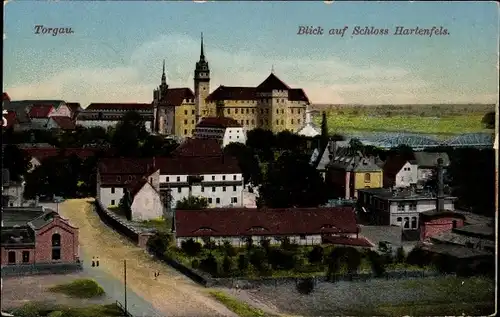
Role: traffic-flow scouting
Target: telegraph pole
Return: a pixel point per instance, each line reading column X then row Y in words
column 125, row 283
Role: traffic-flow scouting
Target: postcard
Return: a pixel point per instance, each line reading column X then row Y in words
column 227, row 158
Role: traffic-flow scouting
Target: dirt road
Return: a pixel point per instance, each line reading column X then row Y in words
column 172, row 293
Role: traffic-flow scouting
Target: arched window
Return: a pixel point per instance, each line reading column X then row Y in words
column 367, row 177
column 407, row 223
column 56, row 246
column 414, row 222
column 399, row 219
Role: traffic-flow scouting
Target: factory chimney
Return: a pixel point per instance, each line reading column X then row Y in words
column 440, row 185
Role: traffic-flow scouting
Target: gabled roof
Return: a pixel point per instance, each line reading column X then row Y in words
column 65, row 123
column 218, row 122
column 240, row 222
column 309, row 130
column 40, row 111
column 126, row 166
column 74, row 106
column 175, row 96
column 119, row 107
column 136, row 187
column 272, row 83
column 20, row 216
column 199, row 147
column 355, row 163
column 198, row 165
column 250, row 93
column 391, row 168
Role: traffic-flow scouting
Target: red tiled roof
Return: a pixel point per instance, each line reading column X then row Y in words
column 355, row 242
column 11, row 118
column 250, row 93
column 136, row 187
column 218, row 122
column 199, row 147
column 272, row 83
column 127, row 166
column 175, row 96
column 5, row 97
column 198, row 165
column 43, row 153
column 74, row 106
column 269, row 222
column 40, row 111
column 65, row 123
column 119, row 106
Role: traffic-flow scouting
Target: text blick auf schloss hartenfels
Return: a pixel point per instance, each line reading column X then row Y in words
column 374, row 31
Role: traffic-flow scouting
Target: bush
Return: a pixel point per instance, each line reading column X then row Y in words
column 282, row 259
column 249, row 243
column 195, row 264
column 257, row 258
column 265, row 244
column 81, row 288
column 159, row 243
column 377, row 263
column 227, row 265
column 229, row 250
column 242, row 263
column 305, row 286
column 400, row 255
column 418, row 257
column 190, row 247
column 210, row 265
column 209, row 244
column 316, row 255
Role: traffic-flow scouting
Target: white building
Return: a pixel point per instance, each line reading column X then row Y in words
column 399, row 207
column 146, row 200
column 107, row 115
column 309, row 129
column 306, row 226
column 217, row 178
column 224, row 129
column 399, row 172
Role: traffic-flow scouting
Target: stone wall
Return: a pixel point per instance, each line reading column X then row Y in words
column 116, row 223
column 41, row 268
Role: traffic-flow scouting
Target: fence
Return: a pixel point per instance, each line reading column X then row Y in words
column 41, row 268
column 125, row 312
column 115, row 222
column 197, row 277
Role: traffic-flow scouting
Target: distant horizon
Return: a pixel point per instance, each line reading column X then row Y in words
column 118, row 57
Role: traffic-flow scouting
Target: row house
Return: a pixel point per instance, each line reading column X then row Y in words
column 107, row 115
column 39, row 154
column 37, row 236
column 305, row 226
column 223, row 129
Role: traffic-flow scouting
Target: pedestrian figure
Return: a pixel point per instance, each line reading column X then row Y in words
column 93, row 262
column 157, row 274
column 97, row 262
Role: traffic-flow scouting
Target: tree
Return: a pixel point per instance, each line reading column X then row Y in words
column 355, row 145
column 159, row 243
column 229, row 250
column 324, row 130
column 129, row 134
column 192, row 203
column 265, row 244
column 125, row 204
column 288, row 141
column 400, row 255
column 190, row 247
column 292, row 182
column 418, row 256
column 16, row 161
column 489, row 120
column 242, row 263
column 247, row 161
column 210, row 265
column 257, row 258
column 377, row 264
column 155, row 145
column 262, row 143
column 227, row 265
column 316, row 255
column 305, row 286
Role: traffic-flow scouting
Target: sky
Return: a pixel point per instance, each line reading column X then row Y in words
column 117, row 48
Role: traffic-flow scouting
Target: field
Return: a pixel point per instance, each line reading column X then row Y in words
column 444, row 126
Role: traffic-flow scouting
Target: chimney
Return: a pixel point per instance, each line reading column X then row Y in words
column 440, row 186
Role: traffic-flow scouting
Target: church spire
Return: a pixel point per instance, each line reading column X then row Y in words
column 163, row 76
column 202, row 52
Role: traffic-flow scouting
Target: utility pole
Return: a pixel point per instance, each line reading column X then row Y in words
column 125, row 284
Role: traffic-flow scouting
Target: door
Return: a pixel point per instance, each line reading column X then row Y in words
column 12, row 257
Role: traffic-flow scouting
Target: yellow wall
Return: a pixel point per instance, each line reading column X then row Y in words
column 376, row 180
column 185, row 120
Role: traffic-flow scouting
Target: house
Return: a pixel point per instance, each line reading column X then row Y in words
column 12, row 192
column 198, row 147
column 217, row 178
column 36, row 114
column 115, row 175
column 306, row 226
column 60, row 123
column 109, row 114
column 400, row 172
column 75, row 109
column 146, row 200
column 309, row 129
column 223, row 129
column 38, row 154
column 37, row 236
column 426, row 163
column 348, row 173
column 321, row 157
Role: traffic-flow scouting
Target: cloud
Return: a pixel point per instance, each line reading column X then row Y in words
column 325, row 81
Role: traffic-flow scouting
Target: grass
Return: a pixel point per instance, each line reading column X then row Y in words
column 240, row 308
column 81, row 288
column 40, row 309
column 445, row 126
column 159, row 224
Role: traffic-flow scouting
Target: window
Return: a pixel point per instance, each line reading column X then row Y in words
column 112, row 190
column 168, row 179
column 234, row 177
column 247, row 122
column 282, row 122
column 407, row 223
column 185, row 122
column 282, row 111
column 217, row 200
column 367, row 177
column 234, row 188
column 292, row 121
column 248, row 111
column 209, row 200
column 185, row 112
column 261, row 111
column 213, row 178
column 399, row 219
column 413, row 206
column 185, row 131
column 26, row 256
column 56, row 246
column 192, row 112
column 118, row 178
column 414, row 222
column 192, row 121
column 401, row 207
column 112, row 202
column 202, row 189
column 234, row 200
column 253, row 111
column 277, row 111
column 178, row 178
column 302, row 237
column 236, row 110
column 223, row 188
column 213, row 189
column 253, row 121
column 179, row 190
column 223, row 177
column 291, row 111
column 130, row 177
column 12, row 257
column 298, row 121
column 277, row 122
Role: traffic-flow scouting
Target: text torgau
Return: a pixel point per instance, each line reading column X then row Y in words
column 40, row 29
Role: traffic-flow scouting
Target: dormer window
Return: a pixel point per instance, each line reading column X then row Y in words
column 257, row 228
column 118, row 178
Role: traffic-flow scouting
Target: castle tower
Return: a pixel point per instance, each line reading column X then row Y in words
column 159, row 100
column 201, row 83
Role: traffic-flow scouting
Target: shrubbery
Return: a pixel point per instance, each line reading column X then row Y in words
column 305, row 286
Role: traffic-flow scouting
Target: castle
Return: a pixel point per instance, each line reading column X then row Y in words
column 272, row 105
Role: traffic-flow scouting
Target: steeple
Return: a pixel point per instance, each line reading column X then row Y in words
column 163, row 76
column 202, row 52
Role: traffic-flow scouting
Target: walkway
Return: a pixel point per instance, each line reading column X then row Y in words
column 171, row 295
